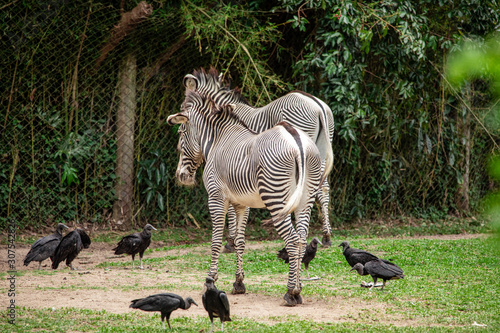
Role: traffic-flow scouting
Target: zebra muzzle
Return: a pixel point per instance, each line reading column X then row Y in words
column 184, row 177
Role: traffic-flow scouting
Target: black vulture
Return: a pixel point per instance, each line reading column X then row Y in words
column 166, row 303
column 70, row 246
column 135, row 243
column 309, row 255
column 216, row 303
column 378, row 269
column 45, row 247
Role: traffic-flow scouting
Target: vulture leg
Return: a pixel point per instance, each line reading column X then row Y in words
column 374, row 283
column 163, row 321
column 39, row 265
column 133, row 263
column 140, row 259
column 141, row 254
column 168, row 321
column 222, row 326
column 383, row 285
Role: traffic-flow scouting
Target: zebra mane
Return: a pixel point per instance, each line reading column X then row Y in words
column 238, row 97
column 218, row 109
column 212, row 79
column 234, row 116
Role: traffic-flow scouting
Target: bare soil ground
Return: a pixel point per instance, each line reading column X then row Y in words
column 102, row 289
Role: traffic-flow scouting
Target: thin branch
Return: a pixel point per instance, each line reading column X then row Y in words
column 239, row 43
column 10, row 95
column 74, row 84
column 9, row 4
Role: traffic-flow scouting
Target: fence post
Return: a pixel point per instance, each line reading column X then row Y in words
column 125, row 121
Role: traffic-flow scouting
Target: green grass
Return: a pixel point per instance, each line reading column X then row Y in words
column 75, row 320
column 448, row 285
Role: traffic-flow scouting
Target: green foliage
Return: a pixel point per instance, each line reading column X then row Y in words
column 153, row 173
column 404, row 145
column 478, row 59
column 377, row 64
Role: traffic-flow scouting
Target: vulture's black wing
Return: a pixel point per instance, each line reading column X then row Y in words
column 224, row 300
column 158, row 302
column 360, row 256
column 382, row 270
column 129, row 244
column 47, row 239
column 204, row 301
column 70, row 245
column 42, row 249
column 84, row 238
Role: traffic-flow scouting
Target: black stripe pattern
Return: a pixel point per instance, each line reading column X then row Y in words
column 279, row 169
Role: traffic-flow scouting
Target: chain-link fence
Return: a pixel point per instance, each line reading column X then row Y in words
column 86, row 87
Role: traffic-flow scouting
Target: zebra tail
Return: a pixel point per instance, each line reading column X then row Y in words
column 296, row 196
column 329, row 152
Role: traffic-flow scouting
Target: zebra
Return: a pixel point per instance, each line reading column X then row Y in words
column 278, row 169
column 299, row 109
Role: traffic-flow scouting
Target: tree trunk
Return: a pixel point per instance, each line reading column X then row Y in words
column 125, row 121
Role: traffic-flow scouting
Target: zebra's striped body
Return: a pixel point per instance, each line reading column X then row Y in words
column 299, row 109
column 278, row 169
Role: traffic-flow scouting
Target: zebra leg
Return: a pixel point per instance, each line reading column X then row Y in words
column 287, row 233
column 302, row 217
column 241, row 223
column 323, row 197
column 218, row 208
column 301, row 249
column 229, row 247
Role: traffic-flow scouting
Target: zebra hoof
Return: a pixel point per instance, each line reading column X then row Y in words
column 238, row 288
column 290, row 299
column 326, row 241
column 229, row 247
column 298, row 298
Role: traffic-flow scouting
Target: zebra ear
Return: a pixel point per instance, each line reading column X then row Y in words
column 178, row 118
column 190, row 82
